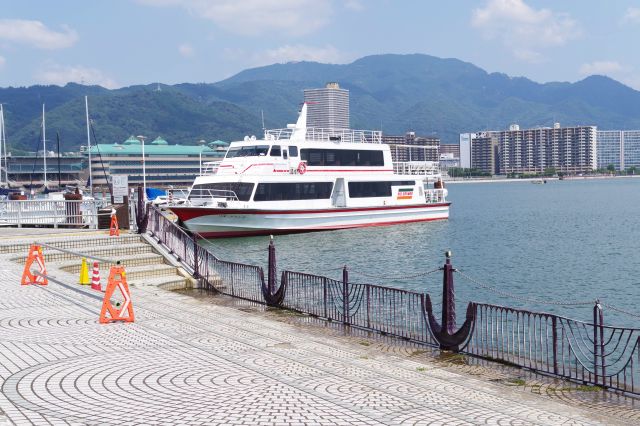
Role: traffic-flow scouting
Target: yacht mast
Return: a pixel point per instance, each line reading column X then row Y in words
column 1, row 138
column 4, row 149
column 86, row 109
column 44, row 147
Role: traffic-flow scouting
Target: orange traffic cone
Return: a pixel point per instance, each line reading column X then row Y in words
column 40, row 278
column 117, row 279
column 114, row 229
column 95, row 278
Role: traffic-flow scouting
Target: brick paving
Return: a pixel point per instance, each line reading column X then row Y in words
column 188, row 361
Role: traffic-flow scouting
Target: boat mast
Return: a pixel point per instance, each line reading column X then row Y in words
column 1, row 138
column 4, row 149
column 44, row 147
column 86, row 109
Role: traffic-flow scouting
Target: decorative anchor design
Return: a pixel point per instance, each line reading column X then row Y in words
column 445, row 334
column 272, row 296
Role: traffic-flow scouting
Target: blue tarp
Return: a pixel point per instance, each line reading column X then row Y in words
column 153, row 193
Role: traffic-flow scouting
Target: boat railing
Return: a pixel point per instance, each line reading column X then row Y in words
column 328, row 135
column 419, row 168
column 211, row 194
column 435, row 196
column 210, row 168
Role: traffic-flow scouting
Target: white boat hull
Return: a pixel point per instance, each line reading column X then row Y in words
column 210, row 222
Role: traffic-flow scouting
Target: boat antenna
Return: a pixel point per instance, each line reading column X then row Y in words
column 44, row 147
column 264, row 129
column 86, row 109
column 59, row 174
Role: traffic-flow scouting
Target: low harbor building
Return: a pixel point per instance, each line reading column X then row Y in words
column 27, row 171
column 165, row 165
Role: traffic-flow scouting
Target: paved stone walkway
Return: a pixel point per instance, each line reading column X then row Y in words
column 187, row 361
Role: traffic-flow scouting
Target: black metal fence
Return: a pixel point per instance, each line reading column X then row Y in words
column 589, row 353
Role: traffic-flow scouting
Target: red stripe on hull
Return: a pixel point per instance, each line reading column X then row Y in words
column 231, row 234
column 188, row 213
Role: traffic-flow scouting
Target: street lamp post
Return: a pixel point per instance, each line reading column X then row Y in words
column 144, row 168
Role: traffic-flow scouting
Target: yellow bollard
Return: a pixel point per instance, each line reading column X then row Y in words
column 84, row 273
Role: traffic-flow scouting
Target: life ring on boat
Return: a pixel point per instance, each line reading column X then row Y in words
column 302, row 168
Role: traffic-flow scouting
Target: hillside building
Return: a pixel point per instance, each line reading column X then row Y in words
column 165, row 164
column 328, row 107
column 621, row 148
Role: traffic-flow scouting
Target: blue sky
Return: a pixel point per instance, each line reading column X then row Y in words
column 123, row 42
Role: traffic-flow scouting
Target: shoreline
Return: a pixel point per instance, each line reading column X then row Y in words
column 512, row 180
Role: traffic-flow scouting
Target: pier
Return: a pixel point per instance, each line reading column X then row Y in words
column 222, row 360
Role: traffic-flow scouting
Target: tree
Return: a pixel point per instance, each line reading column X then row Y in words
column 611, row 168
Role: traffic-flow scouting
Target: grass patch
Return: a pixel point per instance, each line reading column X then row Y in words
column 418, row 352
column 421, row 369
column 588, row 388
column 452, row 358
column 365, row 343
column 516, row 381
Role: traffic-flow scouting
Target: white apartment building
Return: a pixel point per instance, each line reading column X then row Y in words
column 327, row 107
column 618, row 147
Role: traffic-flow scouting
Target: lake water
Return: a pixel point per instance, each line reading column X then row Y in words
column 566, row 241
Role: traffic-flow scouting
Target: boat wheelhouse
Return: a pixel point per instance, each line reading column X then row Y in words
column 300, row 179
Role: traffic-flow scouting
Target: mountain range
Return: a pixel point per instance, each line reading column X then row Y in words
column 394, row 93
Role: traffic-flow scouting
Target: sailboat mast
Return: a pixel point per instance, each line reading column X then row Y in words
column 44, row 147
column 4, row 149
column 1, row 138
column 86, row 109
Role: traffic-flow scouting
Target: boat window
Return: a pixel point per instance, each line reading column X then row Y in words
column 275, row 151
column 248, row 151
column 284, row 153
column 293, row 151
column 342, row 157
column 375, row 189
column 229, row 190
column 293, row 191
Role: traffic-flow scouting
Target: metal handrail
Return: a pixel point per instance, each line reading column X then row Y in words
column 75, row 253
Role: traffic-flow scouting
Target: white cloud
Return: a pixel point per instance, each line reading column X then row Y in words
column 355, row 5
column 632, row 15
column 299, row 52
column 523, row 29
column 2, row 61
column 36, row 34
column 255, row 17
column 186, row 50
column 601, row 67
column 61, row 75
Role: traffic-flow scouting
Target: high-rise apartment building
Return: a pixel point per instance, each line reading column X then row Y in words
column 565, row 149
column 618, row 147
column 327, row 107
column 484, row 152
column 410, row 147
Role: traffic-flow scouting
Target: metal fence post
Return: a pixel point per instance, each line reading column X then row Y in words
column 196, row 268
column 554, row 336
column 271, row 273
column 448, row 297
column 596, row 317
column 19, row 214
column 345, row 295
column 324, row 296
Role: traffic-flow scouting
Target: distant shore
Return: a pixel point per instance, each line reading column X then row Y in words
column 516, row 180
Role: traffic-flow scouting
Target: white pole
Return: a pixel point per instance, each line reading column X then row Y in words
column 44, row 146
column 200, row 161
column 1, row 138
column 144, row 172
column 4, row 148
column 86, row 109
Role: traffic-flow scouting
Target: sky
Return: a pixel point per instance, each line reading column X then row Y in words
column 116, row 43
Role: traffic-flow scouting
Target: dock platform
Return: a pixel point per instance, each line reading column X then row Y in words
column 209, row 360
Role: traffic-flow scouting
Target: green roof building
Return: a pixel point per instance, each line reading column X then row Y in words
column 165, row 164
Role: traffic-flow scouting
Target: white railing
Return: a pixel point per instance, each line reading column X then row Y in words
column 420, row 168
column 80, row 213
column 435, row 196
column 328, row 135
column 210, row 168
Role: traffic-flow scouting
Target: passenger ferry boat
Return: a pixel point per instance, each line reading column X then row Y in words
column 303, row 179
